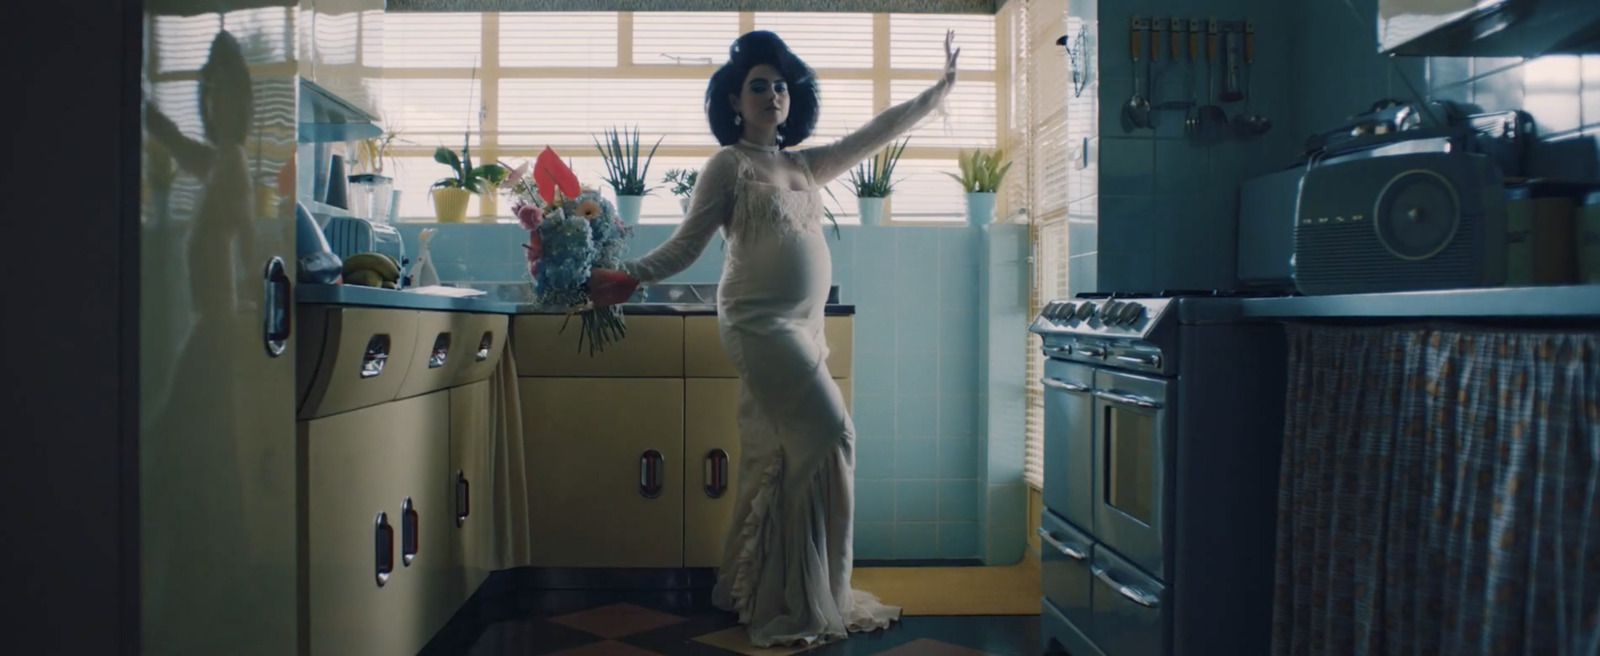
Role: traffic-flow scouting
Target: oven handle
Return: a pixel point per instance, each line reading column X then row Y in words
column 1133, row 594
column 1128, row 399
column 1063, row 385
column 1060, row 546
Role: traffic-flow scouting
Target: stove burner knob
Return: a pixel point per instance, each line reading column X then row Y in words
column 1108, row 312
column 1085, row 311
column 1132, row 313
column 1065, row 312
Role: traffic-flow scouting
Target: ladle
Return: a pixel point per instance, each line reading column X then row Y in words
column 1136, row 112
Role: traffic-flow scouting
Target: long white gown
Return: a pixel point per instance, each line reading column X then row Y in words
column 787, row 557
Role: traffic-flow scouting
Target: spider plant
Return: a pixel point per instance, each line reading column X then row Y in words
column 874, row 177
column 621, row 154
column 981, row 172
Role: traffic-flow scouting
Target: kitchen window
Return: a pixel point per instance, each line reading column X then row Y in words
column 516, row 65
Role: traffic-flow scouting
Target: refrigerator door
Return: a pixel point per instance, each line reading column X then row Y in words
column 217, row 436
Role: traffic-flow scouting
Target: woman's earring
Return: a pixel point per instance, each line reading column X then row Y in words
column 738, row 120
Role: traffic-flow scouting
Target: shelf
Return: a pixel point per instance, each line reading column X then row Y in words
column 1565, row 302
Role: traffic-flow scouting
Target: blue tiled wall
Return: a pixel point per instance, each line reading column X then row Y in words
column 1002, row 372
column 919, row 490
column 1341, row 73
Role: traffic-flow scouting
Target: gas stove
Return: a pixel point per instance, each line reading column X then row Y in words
column 1131, row 331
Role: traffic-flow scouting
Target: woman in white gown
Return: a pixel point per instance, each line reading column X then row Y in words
column 787, row 557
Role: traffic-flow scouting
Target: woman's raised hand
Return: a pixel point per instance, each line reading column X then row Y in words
column 950, row 57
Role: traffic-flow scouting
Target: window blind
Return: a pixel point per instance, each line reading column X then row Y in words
column 337, row 38
column 545, row 78
column 678, row 38
column 1047, row 81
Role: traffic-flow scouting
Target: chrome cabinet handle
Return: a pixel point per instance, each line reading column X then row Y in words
column 279, row 320
column 410, row 532
column 1128, row 399
column 716, row 473
column 1063, row 385
column 1063, row 350
column 1133, row 594
column 377, row 355
column 651, row 463
column 383, row 548
column 1061, row 546
column 441, row 351
column 1152, row 360
column 483, row 347
column 1092, row 351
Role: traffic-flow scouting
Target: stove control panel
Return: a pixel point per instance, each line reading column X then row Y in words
column 1121, row 317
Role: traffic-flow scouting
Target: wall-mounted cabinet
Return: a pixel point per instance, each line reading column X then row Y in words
column 1488, row 28
column 394, row 425
column 651, row 486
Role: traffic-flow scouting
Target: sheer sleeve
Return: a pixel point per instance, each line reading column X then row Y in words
column 830, row 161
column 710, row 206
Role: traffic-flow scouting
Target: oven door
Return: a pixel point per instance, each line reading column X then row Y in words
column 1069, row 442
column 1133, row 437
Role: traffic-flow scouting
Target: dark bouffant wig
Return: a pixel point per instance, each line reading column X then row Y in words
column 749, row 51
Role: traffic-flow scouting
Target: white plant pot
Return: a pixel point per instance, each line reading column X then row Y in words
column 628, row 208
column 980, row 208
column 684, row 204
column 871, row 210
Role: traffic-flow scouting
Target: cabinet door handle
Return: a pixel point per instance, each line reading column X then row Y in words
column 716, row 473
column 1063, row 385
column 483, row 347
column 376, row 355
column 651, row 464
column 410, row 532
column 1060, row 546
column 278, row 321
column 440, row 352
column 1132, row 593
column 463, row 498
column 383, row 548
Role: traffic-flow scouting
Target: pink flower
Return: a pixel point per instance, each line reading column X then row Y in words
column 534, row 248
column 528, row 216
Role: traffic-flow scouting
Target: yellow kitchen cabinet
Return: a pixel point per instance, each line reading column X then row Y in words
column 376, row 524
column 605, row 473
column 711, row 465
column 471, row 521
column 704, row 357
column 652, row 349
column 350, row 358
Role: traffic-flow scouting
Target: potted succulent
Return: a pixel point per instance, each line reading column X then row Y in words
column 624, row 172
column 682, row 181
column 872, row 182
column 451, row 194
column 981, row 175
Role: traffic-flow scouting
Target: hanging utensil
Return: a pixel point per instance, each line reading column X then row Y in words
column 1213, row 121
column 1191, row 118
column 1252, row 124
column 1136, row 112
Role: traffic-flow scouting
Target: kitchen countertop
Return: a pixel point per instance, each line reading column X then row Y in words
column 509, row 299
column 1514, row 303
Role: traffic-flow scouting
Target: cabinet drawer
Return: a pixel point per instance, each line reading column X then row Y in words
column 1127, row 607
column 437, row 355
column 1066, row 568
column 352, row 357
column 484, row 337
column 704, row 357
column 652, row 349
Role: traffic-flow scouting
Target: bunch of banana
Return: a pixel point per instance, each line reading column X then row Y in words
column 372, row 270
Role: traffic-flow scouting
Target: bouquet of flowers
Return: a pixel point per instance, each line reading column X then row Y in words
column 571, row 230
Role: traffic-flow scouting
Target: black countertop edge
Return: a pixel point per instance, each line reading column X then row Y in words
column 681, row 309
column 1564, row 302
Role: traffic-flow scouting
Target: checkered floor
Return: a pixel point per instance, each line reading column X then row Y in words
column 682, row 623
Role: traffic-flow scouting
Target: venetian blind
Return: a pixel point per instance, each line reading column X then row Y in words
column 1047, row 97
column 546, row 79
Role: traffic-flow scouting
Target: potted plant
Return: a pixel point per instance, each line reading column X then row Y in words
column 682, row 181
column 872, row 181
column 981, row 174
column 624, row 172
column 450, row 195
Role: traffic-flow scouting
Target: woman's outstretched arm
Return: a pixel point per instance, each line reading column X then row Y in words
column 710, row 206
column 828, row 162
